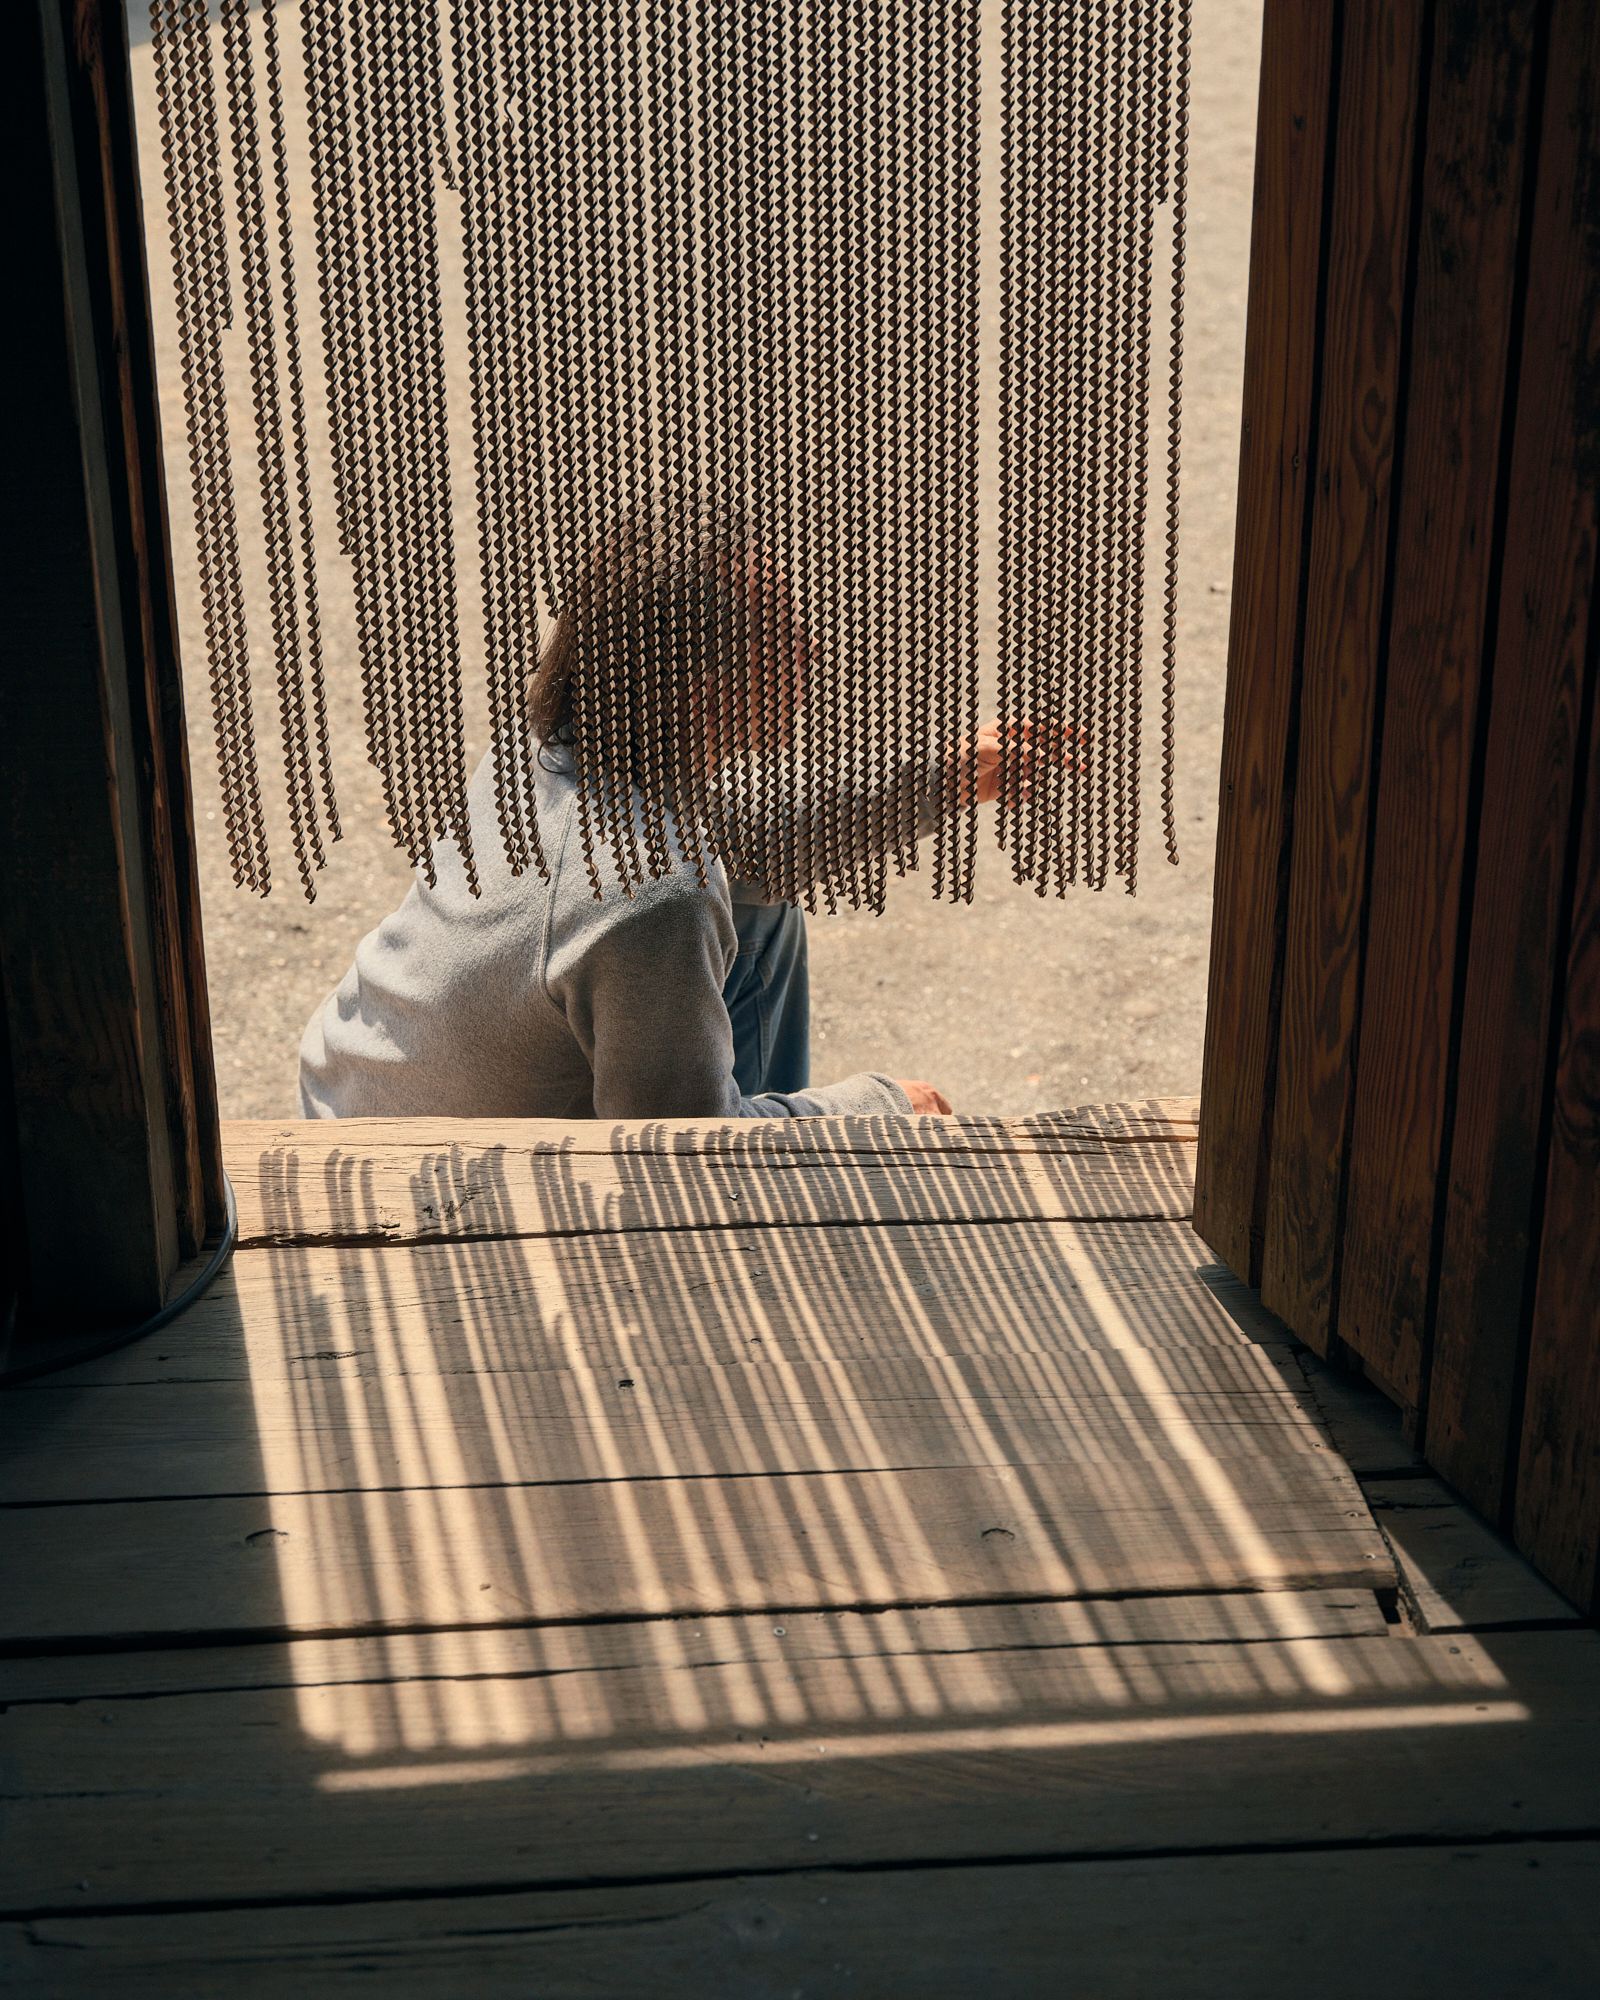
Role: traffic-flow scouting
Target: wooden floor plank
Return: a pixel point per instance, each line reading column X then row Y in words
column 377, row 1789
column 613, row 1301
column 1456, row 1574
column 1366, row 1428
column 320, row 1189
column 463, row 1555
column 1240, row 1617
column 1085, row 1129
column 1458, row 1922
column 344, row 1431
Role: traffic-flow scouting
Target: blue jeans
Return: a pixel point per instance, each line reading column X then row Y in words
column 768, row 997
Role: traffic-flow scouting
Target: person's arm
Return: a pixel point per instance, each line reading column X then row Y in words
column 907, row 805
column 644, row 998
column 815, row 824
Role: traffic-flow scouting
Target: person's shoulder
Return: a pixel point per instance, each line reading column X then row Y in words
column 678, row 896
column 679, row 893
column 649, row 936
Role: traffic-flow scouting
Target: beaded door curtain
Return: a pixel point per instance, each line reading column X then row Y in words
column 727, row 267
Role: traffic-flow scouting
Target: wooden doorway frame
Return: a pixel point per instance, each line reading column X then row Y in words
column 110, row 1153
column 1400, row 1105
column 1400, row 1140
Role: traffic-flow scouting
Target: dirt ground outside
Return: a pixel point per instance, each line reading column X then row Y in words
column 1011, row 1005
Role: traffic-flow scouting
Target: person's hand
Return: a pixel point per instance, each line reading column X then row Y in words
column 979, row 760
column 925, row 1100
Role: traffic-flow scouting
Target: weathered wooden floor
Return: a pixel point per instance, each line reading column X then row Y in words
column 840, row 1557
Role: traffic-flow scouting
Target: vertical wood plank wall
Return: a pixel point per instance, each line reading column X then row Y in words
column 1346, row 567
column 110, row 1140
column 1400, row 1113
column 1299, row 69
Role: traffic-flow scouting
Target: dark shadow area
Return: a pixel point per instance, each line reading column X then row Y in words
column 625, row 1540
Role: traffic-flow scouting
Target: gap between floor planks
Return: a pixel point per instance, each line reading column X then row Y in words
column 1154, row 1121
column 348, row 1561
column 344, row 1431
column 1456, row 1573
column 606, row 1300
column 380, row 1787
column 1454, row 1921
column 370, row 1185
column 518, row 1652
column 1172, row 1517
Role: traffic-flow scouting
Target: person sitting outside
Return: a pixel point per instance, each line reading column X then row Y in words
column 592, row 993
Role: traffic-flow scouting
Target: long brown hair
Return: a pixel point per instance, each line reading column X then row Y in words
column 675, row 651
column 661, row 601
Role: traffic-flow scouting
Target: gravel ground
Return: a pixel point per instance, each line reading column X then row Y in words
column 1011, row 1005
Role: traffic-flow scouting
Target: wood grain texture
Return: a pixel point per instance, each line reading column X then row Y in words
column 317, row 1186
column 1456, row 1575
column 524, row 1652
column 1530, row 792
column 101, row 83
column 1558, row 1469
column 13, row 1230
column 673, row 1547
column 187, row 1440
column 83, row 1023
column 1094, row 1751
column 1453, row 1922
column 1282, row 354
column 1362, row 1422
column 1096, row 1298
column 1368, row 249
column 1466, row 309
column 1084, row 1129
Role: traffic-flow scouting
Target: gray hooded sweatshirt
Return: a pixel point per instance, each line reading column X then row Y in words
column 535, row 1000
